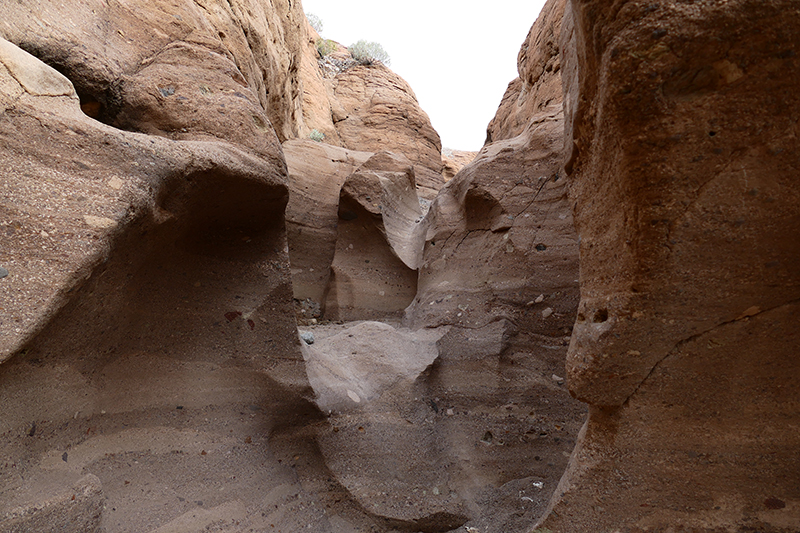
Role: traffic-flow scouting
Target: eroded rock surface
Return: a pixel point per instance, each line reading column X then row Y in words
column 686, row 336
column 380, row 440
column 500, row 270
column 539, row 83
column 454, row 161
column 379, row 241
column 147, row 330
column 182, row 65
column 376, row 110
column 317, row 172
column 411, row 443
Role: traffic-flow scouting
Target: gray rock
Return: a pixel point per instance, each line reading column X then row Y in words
column 307, row 337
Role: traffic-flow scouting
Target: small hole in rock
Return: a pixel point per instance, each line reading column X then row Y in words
column 601, row 315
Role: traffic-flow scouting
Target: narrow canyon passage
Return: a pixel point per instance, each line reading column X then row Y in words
column 244, row 288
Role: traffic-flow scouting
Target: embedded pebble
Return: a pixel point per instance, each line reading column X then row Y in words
column 307, row 337
column 547, row 312
column 99, row 222
column 3, row 272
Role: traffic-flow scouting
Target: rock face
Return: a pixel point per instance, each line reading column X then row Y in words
column 178, row 62
column 500, row 270
column 686, row 338
column 539, row 82
column 146, row 314
column 152, row 374
column 500, row 241
column 385, row 445
column 379, row 241
column 375, row 109
column 355, row 237
column 454, row 161
column 368, row 108
column 317, row 172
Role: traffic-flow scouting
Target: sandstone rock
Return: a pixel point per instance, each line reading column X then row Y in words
column 317, row 93
column 686, row 334
column 147, row 305
column 500, row 234
column 57, row 506
column 379, row 241
column 317, row 172
column 454, row 161
column 375, row 110
column 539, row 82
column 184, row 57
column 377, row 441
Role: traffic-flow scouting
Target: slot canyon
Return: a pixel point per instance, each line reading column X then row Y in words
column 243, row 287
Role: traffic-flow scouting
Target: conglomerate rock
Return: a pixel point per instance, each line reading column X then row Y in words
column 681, row 121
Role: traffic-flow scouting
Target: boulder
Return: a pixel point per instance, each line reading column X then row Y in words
column 687, row 208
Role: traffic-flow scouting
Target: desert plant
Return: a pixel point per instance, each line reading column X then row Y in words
column 368, row 52
column 315, row 22
column 325, row 46
column 316, row 135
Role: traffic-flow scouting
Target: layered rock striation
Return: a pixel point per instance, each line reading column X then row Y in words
column 626, row 238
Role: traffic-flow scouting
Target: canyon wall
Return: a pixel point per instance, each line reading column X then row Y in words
column 681, row 149
column 625, row 240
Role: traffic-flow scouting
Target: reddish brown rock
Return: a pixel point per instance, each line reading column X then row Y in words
column 500, row 269
column 146, row 304
column 317, row 93
column 454, row 161
column 374, row 110
column 687, row 207
column 181, row 60
column 539, row 81
column 500, row 241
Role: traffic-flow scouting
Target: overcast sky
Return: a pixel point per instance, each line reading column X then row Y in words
column 458, row 60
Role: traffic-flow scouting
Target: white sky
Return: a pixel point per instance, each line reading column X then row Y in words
column 458, row 60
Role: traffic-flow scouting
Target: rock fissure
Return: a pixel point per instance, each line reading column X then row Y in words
column 676, row 348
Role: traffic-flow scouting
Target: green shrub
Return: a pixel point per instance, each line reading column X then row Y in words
column 316, row 135
column 315, row 22
column 367, row 52
column 325, row 46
